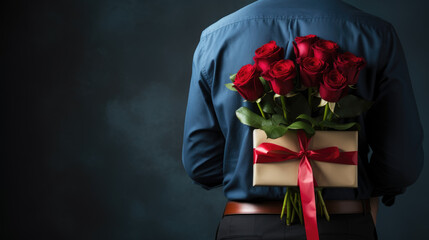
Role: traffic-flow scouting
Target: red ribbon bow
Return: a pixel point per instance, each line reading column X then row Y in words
column 269, row 152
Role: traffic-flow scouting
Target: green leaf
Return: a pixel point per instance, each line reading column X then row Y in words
column 306, row 117
column 278, row 119
column 232, row 77
column 272, row 129
column 249, row 118
column 278, row 109
column 351, row 106
column 315, row 100
column 296, row 106
column 230, row 87
column 302, row 125
column 339, row 126
column 272, row 126
column 265, row 84
column 268, row 105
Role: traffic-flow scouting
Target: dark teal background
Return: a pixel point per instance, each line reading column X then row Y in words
column 93, row 101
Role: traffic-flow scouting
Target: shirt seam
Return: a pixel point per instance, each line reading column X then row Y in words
column 381, row 23
column 205, row 76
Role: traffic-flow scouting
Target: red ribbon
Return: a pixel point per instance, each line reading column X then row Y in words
column 269, row 152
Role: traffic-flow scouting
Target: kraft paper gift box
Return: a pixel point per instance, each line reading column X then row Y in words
column 326, row 174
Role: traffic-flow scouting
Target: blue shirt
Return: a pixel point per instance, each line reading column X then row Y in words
column 217, row 148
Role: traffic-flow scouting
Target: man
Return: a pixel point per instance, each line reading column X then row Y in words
column 217, row 148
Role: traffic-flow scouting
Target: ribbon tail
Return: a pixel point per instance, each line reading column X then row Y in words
column 306, row 186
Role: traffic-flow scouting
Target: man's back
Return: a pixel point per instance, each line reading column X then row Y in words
column 217, row 148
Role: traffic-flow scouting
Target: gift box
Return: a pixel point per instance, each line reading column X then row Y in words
column 339, row 172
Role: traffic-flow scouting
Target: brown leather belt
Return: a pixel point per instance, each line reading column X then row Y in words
column 275, row 207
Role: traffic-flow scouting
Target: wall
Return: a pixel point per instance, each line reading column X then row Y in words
column 93, row 100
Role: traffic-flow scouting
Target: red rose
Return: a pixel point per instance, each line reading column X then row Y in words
column 248, row 84
column 325, row 50
column 333, row 87
column 302, row 46
column 311, row 70
column 349, row 65
column 281, row 75
column 268, row 54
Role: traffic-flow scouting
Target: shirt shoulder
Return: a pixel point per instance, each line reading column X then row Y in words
column 286, row 10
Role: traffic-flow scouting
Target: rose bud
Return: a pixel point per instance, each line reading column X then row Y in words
column 333, row 87
column 325, row 50
column 266, row 55
column 281, row 75
column 311, row 71
column 248, row 84
column 350, row 65
column 302, row 46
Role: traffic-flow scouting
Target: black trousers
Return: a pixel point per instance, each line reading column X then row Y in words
column 264, row 226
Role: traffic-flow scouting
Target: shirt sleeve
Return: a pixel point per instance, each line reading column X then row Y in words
column 203, row 141
column 393, row 126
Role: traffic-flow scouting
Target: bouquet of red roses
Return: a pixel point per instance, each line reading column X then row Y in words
column 307, row 93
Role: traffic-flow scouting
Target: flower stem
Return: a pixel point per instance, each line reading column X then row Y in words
column 288, row 212
column 260, row 109
column 294, row 197
column 325, row 211
column 301, row 217
column 284, row 204
column 292, row 218
column 326, row 111
column 284, row 106
column 296, row 206
column 331, row 114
